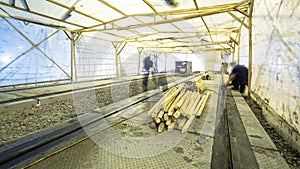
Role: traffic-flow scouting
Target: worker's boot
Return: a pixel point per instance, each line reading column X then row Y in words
column 235, row 87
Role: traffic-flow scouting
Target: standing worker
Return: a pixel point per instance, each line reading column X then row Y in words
column 147, row 64
column 238, row 78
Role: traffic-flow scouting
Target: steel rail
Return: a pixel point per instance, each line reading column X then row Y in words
column 8, row 157
column 69, row 90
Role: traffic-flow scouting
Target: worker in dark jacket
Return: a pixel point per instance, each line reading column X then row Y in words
column 238, row 78
column 147, row 64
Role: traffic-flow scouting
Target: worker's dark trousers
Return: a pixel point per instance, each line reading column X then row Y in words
column 145, row 82
column 237, row 85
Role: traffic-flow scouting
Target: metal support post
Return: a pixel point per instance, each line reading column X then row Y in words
column 250, row 47
column 119, row 46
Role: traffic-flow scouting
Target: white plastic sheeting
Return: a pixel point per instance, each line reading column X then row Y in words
column 276, row 60
column 32, row 53
column 135, row 19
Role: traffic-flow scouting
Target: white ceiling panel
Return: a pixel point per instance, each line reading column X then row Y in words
column 127, row 22
column 123, row 33
column 103, row 36
column 131, row 7
column 97, row 9
column 204, row 3
column 192, row 21
column 160, row 5
column 165, row 27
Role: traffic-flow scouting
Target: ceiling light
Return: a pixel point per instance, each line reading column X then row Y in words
column 172, row 3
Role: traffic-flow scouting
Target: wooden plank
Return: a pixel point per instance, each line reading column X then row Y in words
column 185, row 104
column 203, row 104
column 250, row 48
column 182, row 100
column 168, row 122
column 172, row 95
column 190, row 104
column 241, row 152
column 161, row 127
column 166, row 117
column 221, row 157
column 191, row 110
column 157, row 120
column 188, row 124
column 181, row 124
column 193, row 104
column 178, row 98
column 171, row 126
column 155, row 112
column 153, row 125
column 167, row 107
column 177, row 113
column 159, row 104
column 160, row 114
column 196, row 109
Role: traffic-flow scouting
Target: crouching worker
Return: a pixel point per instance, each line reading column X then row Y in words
column 238, row 78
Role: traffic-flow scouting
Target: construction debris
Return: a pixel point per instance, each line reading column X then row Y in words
column 179, row 106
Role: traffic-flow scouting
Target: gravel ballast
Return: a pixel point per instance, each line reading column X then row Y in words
column 20, row 123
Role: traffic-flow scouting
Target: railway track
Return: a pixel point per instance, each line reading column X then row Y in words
column 231, row 138
column 18, row 154
column 77, row 89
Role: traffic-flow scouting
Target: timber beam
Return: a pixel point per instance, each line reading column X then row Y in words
column 238, row 19
column 166, row 17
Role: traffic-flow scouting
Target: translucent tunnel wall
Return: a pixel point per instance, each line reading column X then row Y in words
column 32, row 53
column 94, row 59
column 276, row 59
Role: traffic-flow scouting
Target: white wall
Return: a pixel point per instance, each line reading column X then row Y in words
column 276, row 60
column 200, row 62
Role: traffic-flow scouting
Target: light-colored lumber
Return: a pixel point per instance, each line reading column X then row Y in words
column 171, row 126
column 202, row 88
column 172, row 95
column 185, row 104
column 157, row 120
column 161, row 127
column 181, row 124
column 203, row 104
column 177, row 113
column 178, row 121
column 173, row 118
column 180, row 95
column 167, row 107
column 178, row 107
column 160, row 114
column 182, row 100
column 199, row 105
column 188, row 124
column 168, row 122
column 189, row 101
column 160, row 102
column 166, row 117
column 190, row 110
column 192, row 101
column 155, row 112
column 153, row 125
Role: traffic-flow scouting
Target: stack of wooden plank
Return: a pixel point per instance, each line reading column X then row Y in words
column 199, row 83
column 179, row 107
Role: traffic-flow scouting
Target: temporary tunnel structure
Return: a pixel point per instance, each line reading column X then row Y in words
column 96, row 32
column 73, row 40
